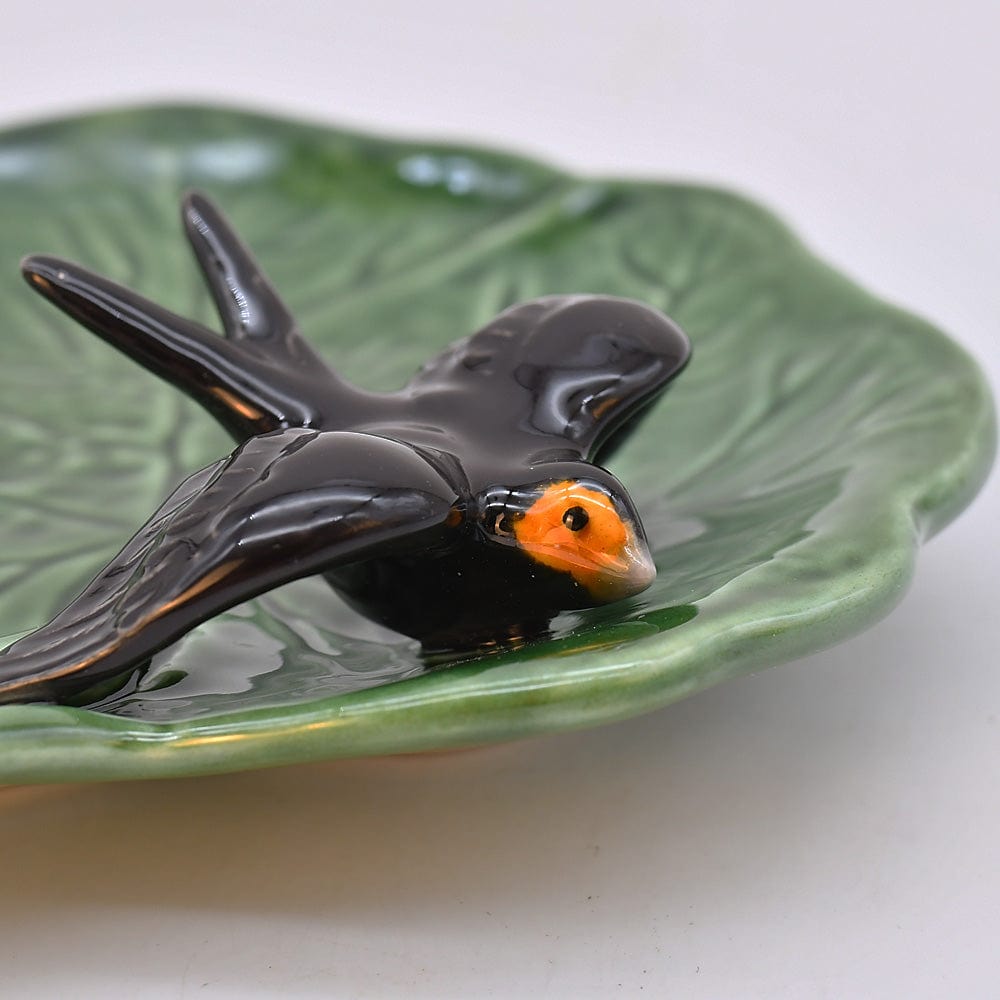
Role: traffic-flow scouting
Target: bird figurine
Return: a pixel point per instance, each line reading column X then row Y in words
column 465, row 510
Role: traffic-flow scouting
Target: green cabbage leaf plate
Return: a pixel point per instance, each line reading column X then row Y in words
column 786, row 480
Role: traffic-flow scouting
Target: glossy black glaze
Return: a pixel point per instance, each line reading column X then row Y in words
column 402, row 500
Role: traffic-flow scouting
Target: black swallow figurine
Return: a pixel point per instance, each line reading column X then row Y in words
column 463, row 510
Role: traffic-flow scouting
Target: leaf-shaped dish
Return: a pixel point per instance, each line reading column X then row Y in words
column 785, row 481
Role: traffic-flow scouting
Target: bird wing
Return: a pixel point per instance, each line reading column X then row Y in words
column 571, row 367
column 283, row 506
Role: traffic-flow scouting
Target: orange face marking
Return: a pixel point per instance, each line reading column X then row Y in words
column 603, row 553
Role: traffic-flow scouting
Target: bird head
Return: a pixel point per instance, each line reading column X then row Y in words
column 578, row 521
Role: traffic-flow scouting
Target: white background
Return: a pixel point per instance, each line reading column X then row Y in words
column 828, row 828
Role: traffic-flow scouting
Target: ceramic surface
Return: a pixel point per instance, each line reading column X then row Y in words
column 785, row 481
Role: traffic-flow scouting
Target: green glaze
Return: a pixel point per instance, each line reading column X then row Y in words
column 785, row 481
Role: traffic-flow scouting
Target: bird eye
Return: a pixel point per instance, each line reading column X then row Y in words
column 503, row 525
column 575, row 518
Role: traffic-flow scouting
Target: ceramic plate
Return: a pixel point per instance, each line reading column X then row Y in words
column 786, row 480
